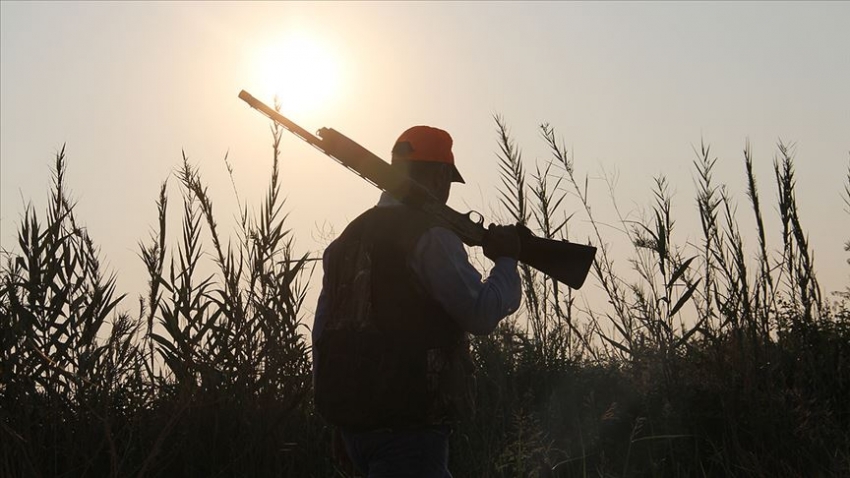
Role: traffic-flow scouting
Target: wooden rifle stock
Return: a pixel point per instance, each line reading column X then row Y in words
column 566, row 262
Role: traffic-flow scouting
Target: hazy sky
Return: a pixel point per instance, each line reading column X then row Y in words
column 631, row 87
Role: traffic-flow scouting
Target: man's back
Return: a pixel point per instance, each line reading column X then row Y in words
column 388, row 354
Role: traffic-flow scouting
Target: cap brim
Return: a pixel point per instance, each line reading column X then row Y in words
column 456, row 177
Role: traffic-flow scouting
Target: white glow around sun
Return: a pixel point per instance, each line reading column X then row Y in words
column 300, row 71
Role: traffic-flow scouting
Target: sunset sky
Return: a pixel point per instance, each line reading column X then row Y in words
column 631, row 87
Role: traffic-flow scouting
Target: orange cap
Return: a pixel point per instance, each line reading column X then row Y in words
column 424, row 143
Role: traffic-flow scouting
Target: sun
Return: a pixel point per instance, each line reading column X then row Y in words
column 300, row 71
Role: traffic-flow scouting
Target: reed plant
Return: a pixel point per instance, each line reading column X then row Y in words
column 210, row 377
column 704, row 362
column 705, row 359
column 73, row 375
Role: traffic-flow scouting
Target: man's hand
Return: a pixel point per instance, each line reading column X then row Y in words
column 502, row 241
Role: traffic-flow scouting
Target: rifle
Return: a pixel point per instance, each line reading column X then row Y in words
column 564, row 261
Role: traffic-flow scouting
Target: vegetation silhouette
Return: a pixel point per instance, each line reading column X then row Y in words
column 211, row 375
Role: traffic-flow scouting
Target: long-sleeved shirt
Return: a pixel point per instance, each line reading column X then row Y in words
column 440, row 263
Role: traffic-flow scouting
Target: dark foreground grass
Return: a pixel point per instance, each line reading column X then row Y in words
column 703, row 363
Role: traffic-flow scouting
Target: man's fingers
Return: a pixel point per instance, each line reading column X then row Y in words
column 502, row 241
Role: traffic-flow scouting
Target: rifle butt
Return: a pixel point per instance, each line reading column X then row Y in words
column 566, row 262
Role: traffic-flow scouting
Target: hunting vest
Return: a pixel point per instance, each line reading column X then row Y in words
column 388, row 356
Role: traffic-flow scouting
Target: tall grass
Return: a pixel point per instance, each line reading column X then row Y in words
column 706, row 359
column 210, row 377
column 703, row 363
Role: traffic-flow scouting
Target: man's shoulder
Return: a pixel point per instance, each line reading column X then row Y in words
column 396, row 224
column 439, row 240
column 438, row 232
column 401, row 218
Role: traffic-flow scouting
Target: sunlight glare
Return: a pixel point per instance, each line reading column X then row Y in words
column 300, row 71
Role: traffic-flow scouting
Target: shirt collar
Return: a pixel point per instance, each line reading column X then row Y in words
column 387, row 200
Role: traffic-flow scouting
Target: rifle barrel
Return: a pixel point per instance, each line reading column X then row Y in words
column 564, row 261
column 281, row 120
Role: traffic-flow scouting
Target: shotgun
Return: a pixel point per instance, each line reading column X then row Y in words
column 564, row 261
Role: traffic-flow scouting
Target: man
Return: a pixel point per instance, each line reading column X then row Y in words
column 399, row 298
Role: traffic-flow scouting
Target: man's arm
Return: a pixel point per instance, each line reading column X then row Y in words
column 441, row 264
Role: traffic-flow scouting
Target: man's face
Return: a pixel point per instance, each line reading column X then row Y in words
column 443, row 194
column 436, row 178
column 443, row 185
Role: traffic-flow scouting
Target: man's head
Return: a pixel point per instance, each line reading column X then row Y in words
column 425, row 154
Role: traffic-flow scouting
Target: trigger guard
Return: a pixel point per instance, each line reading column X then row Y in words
column 475, row 217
